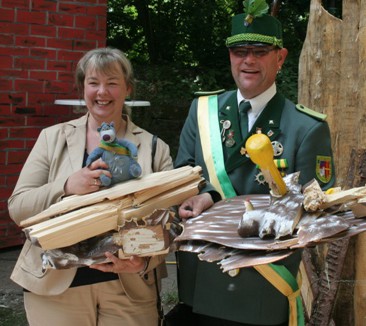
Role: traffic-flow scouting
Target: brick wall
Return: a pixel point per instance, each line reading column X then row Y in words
column 40, row 44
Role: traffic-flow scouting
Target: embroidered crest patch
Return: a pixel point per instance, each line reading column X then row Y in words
column 324, row 168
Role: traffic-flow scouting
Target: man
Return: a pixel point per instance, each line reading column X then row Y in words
column 301, row 142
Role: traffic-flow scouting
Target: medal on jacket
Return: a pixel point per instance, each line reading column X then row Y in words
column 230, row 142
column 227, row 138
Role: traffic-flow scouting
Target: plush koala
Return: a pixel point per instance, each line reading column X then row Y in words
column 119, row 154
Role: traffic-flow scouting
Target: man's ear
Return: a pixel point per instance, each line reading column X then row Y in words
column 282, row 54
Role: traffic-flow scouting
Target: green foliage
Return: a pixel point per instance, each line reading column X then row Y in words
column 177, row 47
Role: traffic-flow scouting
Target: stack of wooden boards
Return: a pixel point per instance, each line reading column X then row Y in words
column 80, row 217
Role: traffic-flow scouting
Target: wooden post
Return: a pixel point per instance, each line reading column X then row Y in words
column 332, row 80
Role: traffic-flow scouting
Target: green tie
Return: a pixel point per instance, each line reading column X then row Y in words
column 244, row 107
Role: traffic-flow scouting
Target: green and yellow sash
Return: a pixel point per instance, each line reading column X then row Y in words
column 209, row 130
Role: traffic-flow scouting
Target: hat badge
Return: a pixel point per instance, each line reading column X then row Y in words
column 254, row 8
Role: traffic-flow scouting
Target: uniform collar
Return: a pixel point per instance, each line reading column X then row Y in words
column 259, row 102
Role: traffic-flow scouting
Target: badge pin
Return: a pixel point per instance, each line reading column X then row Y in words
column 270, row 133
column 277, row 148
column 260, row 178
column 230, row 142
column 226, row 124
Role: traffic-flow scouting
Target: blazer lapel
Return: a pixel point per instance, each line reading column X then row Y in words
column 268, row 122
column 75, row 133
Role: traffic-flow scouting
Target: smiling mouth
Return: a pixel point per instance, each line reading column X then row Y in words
column 102, row 102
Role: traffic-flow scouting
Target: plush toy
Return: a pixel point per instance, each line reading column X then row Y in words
column 119, row 154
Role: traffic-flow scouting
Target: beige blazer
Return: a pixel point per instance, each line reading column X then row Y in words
column 58, row 153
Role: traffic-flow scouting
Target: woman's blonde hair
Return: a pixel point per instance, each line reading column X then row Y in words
column 103, row 60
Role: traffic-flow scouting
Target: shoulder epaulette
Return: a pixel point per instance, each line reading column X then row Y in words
column 203, row 93
column 312, row 113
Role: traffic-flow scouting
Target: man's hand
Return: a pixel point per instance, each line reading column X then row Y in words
column 195, row 205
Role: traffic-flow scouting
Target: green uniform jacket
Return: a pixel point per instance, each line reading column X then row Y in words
column 248, row 297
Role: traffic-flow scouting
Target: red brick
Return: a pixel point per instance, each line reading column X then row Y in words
column 16, row 29
column 41, row 121
column 29, row 63
column 30, row 143
column 17, row 157
column 59, row 65
column 59, row 110
column 23, row 4
column 34, row 17
column 13, row 120
column 73, row 33
column 102, row 24
column 71, row 8
column 46, row 5
column 11, row 180
column 86, row 22
column 2, row 160
column 42, row 75
column 6, row 144
column 6, row 84
column 5, row 193
column 97, row 10
column 2, row 180
column 3, row 133
column 61, row 20
column 11, row 169
column 24, row 132
column 66, row 76
column 5, row 109
column 60, row 44
column 99, row 36
column 43, row 53
column 7, row 15
column 29, row 85
column 81, row 45
column 7, row 39
column 14, row 73
column 14, row 51
column 6, row 61
column 58, row 87
column 30, row 41
column 71, row 56
column 49, row 31
column 41, row 98
column 17, row 98
column 25, row 110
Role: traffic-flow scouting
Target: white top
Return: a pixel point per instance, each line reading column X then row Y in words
column 82, row 103
column 258, row 103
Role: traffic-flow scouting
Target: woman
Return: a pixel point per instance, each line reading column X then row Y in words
column 122, row 292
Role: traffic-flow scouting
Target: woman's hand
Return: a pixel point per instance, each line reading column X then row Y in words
column 195, row 205
column 86, row 180
column 134, row 264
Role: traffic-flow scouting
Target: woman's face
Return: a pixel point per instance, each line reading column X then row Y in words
column 105, row 93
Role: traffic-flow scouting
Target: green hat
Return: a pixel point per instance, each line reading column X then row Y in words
column 255, row 26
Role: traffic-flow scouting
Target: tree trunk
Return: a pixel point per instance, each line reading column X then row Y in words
column 332, row 80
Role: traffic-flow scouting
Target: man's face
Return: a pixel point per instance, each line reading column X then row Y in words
column 254, row 68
